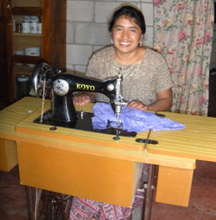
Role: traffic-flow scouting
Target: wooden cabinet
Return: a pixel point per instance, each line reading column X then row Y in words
column 31, row 31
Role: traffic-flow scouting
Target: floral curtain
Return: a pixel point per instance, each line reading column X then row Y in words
column 183, row 34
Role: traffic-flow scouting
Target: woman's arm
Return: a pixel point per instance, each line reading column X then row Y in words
column 83, row 98
column 163, row 103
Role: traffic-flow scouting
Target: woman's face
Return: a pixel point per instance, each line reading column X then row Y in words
column 126, row 35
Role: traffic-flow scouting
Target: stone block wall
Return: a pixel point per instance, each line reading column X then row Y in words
column 87, row 27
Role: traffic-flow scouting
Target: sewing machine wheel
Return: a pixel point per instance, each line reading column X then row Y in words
column 39, row 77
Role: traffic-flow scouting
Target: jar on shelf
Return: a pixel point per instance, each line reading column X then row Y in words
column 18, row 27
column 17, row 24
column 32, row 51
column 26, row 24
column 22, row 85
column 34, row 20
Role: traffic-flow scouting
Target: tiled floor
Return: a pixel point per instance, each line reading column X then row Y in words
column 202, row 205
column 203, row 198
column 13, row 204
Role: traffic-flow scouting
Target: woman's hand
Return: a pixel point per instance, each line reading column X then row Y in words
column 83, row 98
column 163, row 102
column 137, row 105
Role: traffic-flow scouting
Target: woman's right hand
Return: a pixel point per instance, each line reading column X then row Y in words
column 82, row 99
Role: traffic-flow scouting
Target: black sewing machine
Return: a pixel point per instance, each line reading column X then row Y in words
column 63, row 86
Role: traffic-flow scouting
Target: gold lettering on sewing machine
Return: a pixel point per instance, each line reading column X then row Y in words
column 85, row 87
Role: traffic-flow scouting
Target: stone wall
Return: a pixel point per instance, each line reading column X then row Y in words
column 87, row 28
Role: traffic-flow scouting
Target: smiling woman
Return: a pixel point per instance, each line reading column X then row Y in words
column 151, row 89
column 126, row 36
column 146, row 85
column 127, row 28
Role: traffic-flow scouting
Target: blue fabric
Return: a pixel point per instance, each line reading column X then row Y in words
column 133, row 120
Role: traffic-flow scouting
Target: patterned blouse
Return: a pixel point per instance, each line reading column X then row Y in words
column 141, row 81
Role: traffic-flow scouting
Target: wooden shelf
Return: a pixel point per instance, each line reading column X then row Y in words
column 27, row 59
column 33, row 11
column 52, row 40
column 22, row 41
column 16, row 34
column 20, row 70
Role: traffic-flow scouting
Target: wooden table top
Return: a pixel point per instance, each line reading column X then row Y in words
column 196, row 142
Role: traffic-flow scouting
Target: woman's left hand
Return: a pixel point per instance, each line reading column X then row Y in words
column 163, row 102
column 137, row 105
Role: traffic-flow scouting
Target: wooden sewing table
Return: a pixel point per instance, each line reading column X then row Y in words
column 94, row 166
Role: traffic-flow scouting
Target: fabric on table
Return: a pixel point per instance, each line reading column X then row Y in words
column 132, row 120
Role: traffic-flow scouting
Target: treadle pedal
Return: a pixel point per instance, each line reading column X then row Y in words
column 140, row 190
column 140, row 197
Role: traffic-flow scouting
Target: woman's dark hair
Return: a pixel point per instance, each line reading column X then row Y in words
column 131, row 12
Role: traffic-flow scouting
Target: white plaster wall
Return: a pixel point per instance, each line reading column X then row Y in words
column 87, row 28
